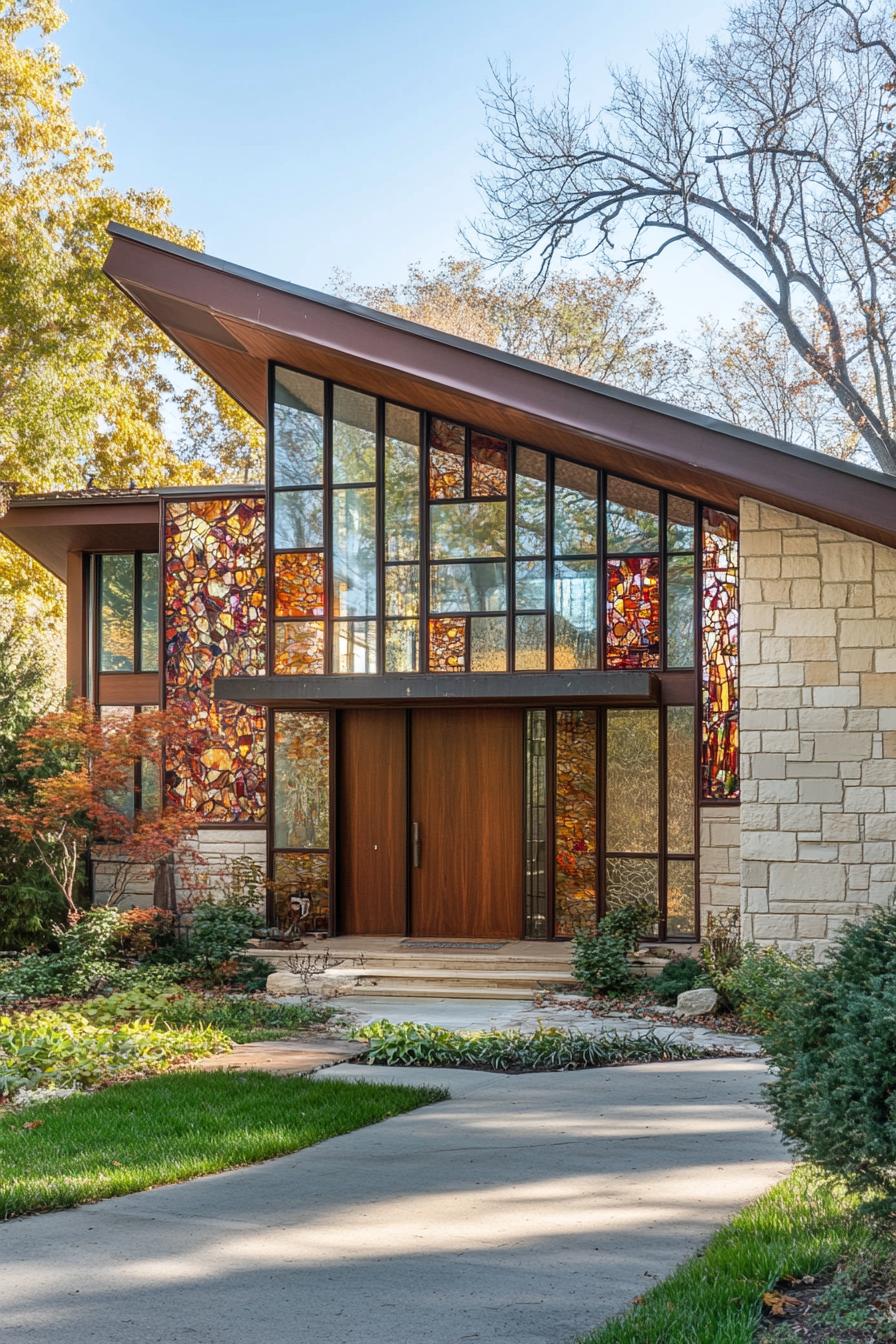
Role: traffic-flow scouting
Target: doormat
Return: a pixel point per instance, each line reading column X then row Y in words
column 422, row 945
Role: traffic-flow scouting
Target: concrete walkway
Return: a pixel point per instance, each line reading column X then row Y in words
column 526, row 1209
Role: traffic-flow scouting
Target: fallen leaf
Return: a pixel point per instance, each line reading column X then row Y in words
column 778, row 1303
column 33, row 1124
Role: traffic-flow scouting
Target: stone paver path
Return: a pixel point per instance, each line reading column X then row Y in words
column 291, row 1055
column 525, row 1210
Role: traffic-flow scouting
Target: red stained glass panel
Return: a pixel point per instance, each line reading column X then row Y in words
column 720, row 767
column 633, row 612
column 448, row 643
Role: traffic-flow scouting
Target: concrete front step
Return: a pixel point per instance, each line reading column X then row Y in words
column 411, row 962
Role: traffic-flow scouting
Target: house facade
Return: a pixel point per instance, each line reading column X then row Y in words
column 492, row 649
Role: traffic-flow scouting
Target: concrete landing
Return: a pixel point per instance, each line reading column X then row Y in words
column 302, row 1055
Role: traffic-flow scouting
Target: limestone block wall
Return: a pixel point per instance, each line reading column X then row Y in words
column 818, row 727
column 217, row 848
column 719, row 860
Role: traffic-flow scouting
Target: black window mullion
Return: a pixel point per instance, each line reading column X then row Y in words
column 328, row 526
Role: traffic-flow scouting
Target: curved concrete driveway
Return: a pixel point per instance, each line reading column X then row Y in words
column 525, row 1209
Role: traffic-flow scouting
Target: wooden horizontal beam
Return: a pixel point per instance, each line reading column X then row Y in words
column 443, row 689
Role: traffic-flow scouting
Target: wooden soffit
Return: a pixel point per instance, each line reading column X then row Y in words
column 231, row 321
column 48, row 530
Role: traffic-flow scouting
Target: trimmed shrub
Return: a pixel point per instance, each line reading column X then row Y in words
column 547, row 1049
column 678, row 975
column 764, row 984
column 600, row 961
column 219, row 932
column 834, row 1053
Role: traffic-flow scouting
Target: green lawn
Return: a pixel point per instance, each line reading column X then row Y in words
column 156, row 1130
column 802, row 1226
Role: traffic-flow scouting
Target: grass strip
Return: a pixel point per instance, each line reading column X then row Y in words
column 802, row 1226
column 158, row 1130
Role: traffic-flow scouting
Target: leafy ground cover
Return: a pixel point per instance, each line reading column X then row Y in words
column 805, row 1226
column 242, row 1017
column 547, row 1049
column 169, row 1128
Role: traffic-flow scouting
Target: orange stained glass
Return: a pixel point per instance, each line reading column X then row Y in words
column 299, row 583
column 447, row 643
column 633, row 612
column 215, row 627
column 720, row 772
column 488, row 466
column 299, row 647
column 575, row 822
column 446, row 459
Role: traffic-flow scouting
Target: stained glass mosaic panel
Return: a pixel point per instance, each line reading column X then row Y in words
column 681, row 899
column 633, row 517
column 402, row 484
column 488, row 466
column 530, row 644
column 575, row 613
column 402, row 646
column 298, row 428
column 575, row 509
column 680, row 611
column 720, row 655
column 633, row 782
column 680, row 781
column 299, row 878
column 633, row 612
column 354, row 437
column 299, row 583
column 468, row 530
column 488, row 644
column 447, row 643
column 301, row 780
column 298, row 519
column 575, row 822
column 299, row 648
column 447, row 448
column 531, row 502
column 215, row 626
column 354, row 646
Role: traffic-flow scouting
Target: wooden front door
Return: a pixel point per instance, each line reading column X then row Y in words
column 466, row 808
column 371, row 789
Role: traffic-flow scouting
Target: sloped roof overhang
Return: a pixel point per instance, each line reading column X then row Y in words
column 231, row 321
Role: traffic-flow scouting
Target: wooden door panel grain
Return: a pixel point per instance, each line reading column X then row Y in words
column 371, row 789
column 466, row 798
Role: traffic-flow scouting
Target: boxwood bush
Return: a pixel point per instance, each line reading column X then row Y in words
column 834, row 1054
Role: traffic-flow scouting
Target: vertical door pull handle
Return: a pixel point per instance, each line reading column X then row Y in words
column 415, row 843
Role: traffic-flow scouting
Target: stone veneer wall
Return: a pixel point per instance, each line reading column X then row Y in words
column 719, row 860
column 818, row 726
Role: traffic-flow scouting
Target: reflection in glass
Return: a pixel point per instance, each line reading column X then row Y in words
column 447, row 643
column 402, row 473
column 447, row 448
column 681, row 899
column 488, row 465
column 633, row 517
column 531, row 502
column 298, row 429
column 354, row 646
column 301, row 780
column 679, row 523
column 116, row 718
column 536, row 824
column 488, row 644
column 468, row 530
column 680, row 611
column 299, row 648
column 680, row 779
column 633, row 805
column 402, row 590
column 530, row 590
column 354, row 437
column 575, row 613
column 575, row 509
column 530, row 644
column 477, row 586
column 117, row 613
column 402, row 650
column 149, row 612
column 631, row 881
column 298, row 520
column 354, row 552
column 575, row 822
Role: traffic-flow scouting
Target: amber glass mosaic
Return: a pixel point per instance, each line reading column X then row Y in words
column 299, row 648
column 299, row 583
column 488, row 466
column 446, row 459
column 575, row 825
column 720, row 655
column 447, row 644
column 214, row 627
column 633, row 612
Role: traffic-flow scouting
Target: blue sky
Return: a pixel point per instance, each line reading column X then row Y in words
column 306, row 137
